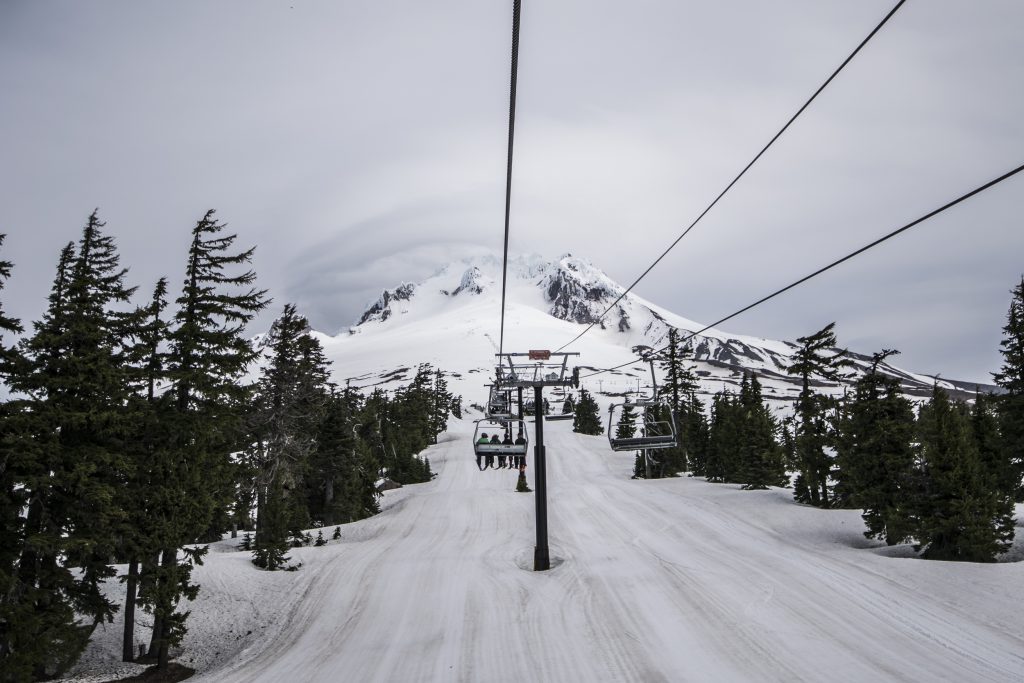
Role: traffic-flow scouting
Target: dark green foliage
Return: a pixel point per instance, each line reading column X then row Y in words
column 625, row 428
column 64, row 451
column 521, row 485
column 876, row 455
column 337, row 533
column 342, row 470
column 742, row 445
column 724, row 434
column 761, row 463
column 194, row 481
column 679, row 388
column 817, row 357
column 1010, row 404
column 961, row 514
column 320, row 540
column 290, row 403
column 586, row 419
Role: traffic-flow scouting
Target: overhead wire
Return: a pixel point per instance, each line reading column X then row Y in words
column 740, row 175
column 835, row 263
column 508, row 174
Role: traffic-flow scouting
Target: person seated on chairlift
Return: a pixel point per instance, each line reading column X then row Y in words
column 483, row 439
column 507, row 441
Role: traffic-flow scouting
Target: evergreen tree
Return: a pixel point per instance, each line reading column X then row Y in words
column 694, row 430
column 626, row 426
column 208, row 355
column 71, row 441
column 816, row 357
column 724, row 435
column 680, row 390
column 343, row 469
column 14, row 657
column 443, row 405
column 569, row 405
column 961, row 515
column 147, row 412
column 760, row 459
column 1011, row 402
column 876, row 454
column 586, row 419
column 292, row 397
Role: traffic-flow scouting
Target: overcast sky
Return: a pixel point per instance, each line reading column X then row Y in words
column 360, row 144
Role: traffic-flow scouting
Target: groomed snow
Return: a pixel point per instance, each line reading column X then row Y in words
column 671, row 580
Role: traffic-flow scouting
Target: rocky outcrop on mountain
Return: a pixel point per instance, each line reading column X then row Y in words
column 381, row 310
column 579, row 292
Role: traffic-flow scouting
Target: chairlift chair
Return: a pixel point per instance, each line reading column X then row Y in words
column 499, row 404
column 651, row 433
column 490, row 426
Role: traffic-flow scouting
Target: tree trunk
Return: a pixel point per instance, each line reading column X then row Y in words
column 168, row 561
column 128, row 641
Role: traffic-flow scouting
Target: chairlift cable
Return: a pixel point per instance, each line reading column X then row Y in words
column 741, row 174
column 508, row 174
column 835, row 263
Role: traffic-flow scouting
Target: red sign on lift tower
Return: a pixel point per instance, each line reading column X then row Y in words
column 540, row 354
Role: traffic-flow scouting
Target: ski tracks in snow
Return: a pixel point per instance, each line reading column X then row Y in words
column 672, row 580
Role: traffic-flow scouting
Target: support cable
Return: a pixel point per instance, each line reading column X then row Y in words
column 741, row 174
column 835, row 263
column 508, row 175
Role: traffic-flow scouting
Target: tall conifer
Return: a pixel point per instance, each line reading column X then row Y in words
column 961, row 515
column 876, row 454
column 1011, row 403
column 817, row 357
column 208, row 355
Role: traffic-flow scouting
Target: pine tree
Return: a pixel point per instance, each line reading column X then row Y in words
column 960, row 514
column 292, row 397
column 626, row 426
column 13, row 658
column 680, row 390
column 146, row 409
column 441, row 405
column 1011, row 402
column 812, row 430
column 760, row 457
column 72, row 463
column 342, row 470
column 586, row 419
column 34, row 619
column 208, row 355
column 876, row 454
column 724, row 436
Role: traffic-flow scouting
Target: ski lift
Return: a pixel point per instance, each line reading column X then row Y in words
column 499, row 404
column 513, row 437
column 652, row 430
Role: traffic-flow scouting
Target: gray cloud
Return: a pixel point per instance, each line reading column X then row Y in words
column 360, row 144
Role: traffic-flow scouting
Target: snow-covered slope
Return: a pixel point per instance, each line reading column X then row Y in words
column 451, row 319
column 665, row 580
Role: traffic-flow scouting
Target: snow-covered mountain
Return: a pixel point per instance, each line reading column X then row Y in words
column 452, row 319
